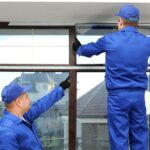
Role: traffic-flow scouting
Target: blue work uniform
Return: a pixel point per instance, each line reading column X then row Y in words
column 127, row 53
column 21, row 134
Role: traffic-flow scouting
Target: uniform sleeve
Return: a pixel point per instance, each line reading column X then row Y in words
column 8, row 140
column 148, row 46
column 43, row 104
column 92, row 48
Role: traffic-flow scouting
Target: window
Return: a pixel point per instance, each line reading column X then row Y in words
column 22, row 49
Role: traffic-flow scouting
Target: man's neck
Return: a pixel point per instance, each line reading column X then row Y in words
column 15, row 112
column 121, row 27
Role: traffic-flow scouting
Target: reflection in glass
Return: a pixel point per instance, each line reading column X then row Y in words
column 34, row 46
column 92, row 130
column 53, row 125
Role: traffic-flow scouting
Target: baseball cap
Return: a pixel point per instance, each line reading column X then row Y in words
column 129, row 12
column 12, row 91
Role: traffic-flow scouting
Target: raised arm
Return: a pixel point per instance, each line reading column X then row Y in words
column 89, row 49
column 44, row 103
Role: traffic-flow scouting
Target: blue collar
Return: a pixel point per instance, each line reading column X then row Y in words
column 16, row 120
column 129, row 28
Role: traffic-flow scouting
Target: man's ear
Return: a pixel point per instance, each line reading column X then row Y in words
column 119, row 21
column 18, row 101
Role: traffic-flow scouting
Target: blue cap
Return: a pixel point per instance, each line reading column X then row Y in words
column 129, row 12
column 12, row 91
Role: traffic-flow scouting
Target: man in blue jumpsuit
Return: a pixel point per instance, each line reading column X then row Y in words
column 127, row 53
column 17, row 130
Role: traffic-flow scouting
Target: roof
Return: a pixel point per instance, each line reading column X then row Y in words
column 94, row 103
column 37, row 76
column 33, row 78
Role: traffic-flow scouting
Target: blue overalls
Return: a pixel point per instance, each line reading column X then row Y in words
column 127, row 53
column 19, row 134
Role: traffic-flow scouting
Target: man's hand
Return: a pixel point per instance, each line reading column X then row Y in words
column 76, row 44
column 65, row 84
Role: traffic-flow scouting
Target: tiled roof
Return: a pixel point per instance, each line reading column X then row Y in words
column 38, row 77
column 94, row 103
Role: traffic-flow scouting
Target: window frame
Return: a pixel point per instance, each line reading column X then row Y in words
column 72, row 68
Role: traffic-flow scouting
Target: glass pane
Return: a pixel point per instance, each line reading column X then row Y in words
column 33, row 46
column 147, row 95
column 15, row 37
column 92, row 132
column 91, row 33
column 52, row 125
column 147, row 100
column 100, row 59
